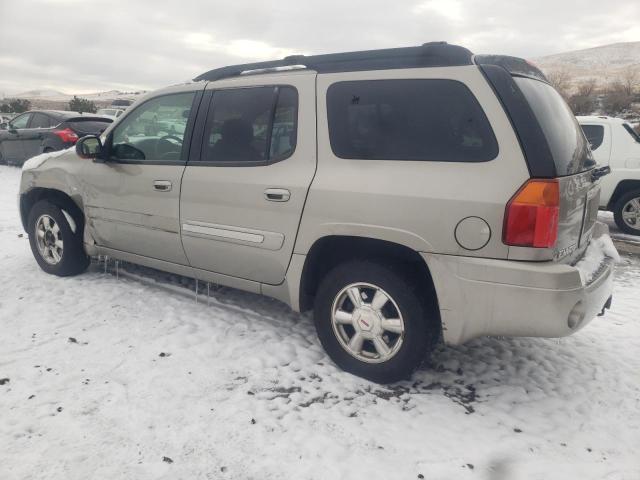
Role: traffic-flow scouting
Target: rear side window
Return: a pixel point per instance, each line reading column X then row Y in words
column 251, row 126
column 594, row 134
column 433, row 120
column 564, row 136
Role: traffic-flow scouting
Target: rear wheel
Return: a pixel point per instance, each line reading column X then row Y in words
column 626, row 212
column 2, row 160
column 56, row 248
column 373, row 321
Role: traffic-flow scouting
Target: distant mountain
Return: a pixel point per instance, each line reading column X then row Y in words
column 43, row 94
column 57, row 96
column 605, row 63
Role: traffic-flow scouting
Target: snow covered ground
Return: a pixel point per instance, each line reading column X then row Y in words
column 106, row 378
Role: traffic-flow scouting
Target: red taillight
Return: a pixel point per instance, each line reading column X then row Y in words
column 531, row 217
column 67, row 135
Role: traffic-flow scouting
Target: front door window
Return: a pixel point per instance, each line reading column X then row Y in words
column 154, row 131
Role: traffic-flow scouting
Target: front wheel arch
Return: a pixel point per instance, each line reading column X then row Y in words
column 56, row 197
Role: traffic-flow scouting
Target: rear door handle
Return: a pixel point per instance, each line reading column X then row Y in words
column 162, row 185
column 277, row 194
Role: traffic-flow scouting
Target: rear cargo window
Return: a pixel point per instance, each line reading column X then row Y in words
column 436, row 120
column 566, row 141
column 594, row 134
column 89, row 127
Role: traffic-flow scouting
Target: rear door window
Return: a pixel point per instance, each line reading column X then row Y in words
column 594, row 134
column 429, row 119
column 568, row 145
column 251, row 126
column 40, row 120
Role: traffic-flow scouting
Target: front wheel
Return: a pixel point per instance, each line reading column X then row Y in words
column 372, row 321
column 56, row 248
column 626, row 212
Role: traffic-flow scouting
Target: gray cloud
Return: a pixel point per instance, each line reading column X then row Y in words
column 88, row 45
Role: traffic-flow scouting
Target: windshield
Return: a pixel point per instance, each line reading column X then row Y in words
column 568, row 145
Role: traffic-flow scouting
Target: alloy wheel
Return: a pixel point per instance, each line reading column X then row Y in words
column 367, row 322
column 49, row 240
column 631, row 213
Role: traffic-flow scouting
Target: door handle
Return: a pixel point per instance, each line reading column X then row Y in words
column 162, row 185
column 277, row 194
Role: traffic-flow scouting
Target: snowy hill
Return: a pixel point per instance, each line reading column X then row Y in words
column 603, row 63
column 44, row 94
column 57, row 96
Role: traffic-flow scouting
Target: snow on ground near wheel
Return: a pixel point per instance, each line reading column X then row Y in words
column 116, row 379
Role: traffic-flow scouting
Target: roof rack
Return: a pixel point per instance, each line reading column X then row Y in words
column 433, row 54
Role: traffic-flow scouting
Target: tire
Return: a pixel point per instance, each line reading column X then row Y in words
column 622, row 207
column 69, row 257
column 404, row 302
column 2, row 160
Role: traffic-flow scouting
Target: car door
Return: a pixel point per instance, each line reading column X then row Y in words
column 244, row 188
column 31, row 137
column 11, row 139
column 132, row 198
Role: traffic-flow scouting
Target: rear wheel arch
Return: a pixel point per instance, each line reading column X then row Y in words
column 621, row 189
column 328, row 252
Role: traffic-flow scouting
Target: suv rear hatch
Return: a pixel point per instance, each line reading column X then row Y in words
column 555, row 148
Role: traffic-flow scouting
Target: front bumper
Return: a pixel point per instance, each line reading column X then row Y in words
column 479, row 296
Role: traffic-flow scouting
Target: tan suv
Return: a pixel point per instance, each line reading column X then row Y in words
column 405, row 195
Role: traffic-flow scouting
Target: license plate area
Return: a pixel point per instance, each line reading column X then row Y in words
column 592, row 204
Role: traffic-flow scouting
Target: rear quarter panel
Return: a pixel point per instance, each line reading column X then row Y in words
column 414, row 203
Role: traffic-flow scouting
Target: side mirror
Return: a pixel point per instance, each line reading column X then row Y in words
column 89, row 147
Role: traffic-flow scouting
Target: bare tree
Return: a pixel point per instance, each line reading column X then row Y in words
column 560, row 78
column 630, row 79
column 588, row 87
column 616, row 100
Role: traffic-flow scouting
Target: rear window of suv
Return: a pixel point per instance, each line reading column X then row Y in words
column 594, row 134
column 568, row 145
column 429, row 119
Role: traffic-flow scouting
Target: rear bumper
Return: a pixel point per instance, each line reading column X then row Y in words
column 480, row 296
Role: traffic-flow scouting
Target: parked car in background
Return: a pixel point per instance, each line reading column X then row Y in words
column 121, row 103
column 405, row 196
column 615, row 143
column 35, row 132
column 112, row 113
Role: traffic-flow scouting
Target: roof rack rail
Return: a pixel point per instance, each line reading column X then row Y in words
column 432, row 54
column 284, row 68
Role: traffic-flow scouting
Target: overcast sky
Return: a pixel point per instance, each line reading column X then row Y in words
column 81, row 46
